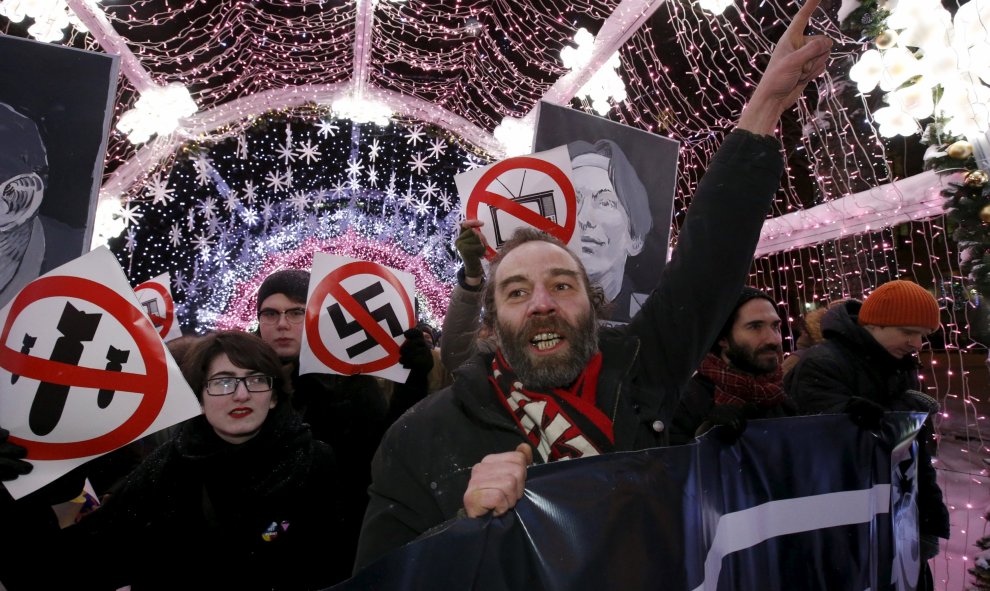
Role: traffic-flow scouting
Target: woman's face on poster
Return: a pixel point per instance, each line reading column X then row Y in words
column 603, row 224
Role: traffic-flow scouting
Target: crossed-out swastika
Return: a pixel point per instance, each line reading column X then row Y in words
column 346, row 329
column 356, row 306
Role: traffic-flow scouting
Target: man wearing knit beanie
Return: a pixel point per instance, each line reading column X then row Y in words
column 898, row 315
column 348, row 412
column 281, row 309
column 740, row 378
column 866, row 366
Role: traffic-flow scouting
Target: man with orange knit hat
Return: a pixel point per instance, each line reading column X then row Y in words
column 866, row 366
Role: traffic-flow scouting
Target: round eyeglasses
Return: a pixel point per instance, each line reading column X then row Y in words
column 292, row 315
column 228, row 384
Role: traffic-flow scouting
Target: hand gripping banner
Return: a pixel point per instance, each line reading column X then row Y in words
column 800, row 503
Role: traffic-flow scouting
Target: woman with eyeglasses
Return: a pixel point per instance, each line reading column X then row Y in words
column 241, row 498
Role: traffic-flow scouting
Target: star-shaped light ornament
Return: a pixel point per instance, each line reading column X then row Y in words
column 415, row 135
column 419, row 163
column 159, row 191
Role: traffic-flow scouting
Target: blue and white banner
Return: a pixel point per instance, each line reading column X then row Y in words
column 801, row 503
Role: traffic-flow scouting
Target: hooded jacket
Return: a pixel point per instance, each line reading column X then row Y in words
column 852, row 363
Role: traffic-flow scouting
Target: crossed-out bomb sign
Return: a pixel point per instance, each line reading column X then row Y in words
column 82, row 369
column 356, row 313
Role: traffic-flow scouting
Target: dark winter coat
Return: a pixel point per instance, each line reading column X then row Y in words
column 852, row 363
column 422, row 468
column 202, row 513
column 350, row 414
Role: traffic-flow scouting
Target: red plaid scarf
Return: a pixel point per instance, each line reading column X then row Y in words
column 738, row 388
column 561, row 423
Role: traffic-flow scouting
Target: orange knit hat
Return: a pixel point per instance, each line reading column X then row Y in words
column 900, row 303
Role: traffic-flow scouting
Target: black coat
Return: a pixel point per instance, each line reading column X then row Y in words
column 349, row 413
column 202, row 513
column 852, row 363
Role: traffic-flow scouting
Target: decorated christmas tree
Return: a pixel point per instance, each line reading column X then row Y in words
column 981, row 565
column 968, row 206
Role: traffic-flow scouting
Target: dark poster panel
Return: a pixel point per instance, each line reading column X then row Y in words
column 625, row 180
column 55, row 109
column 811, row 503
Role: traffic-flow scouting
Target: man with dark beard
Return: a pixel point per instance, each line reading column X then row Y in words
column 740, row 379
column 558, row 386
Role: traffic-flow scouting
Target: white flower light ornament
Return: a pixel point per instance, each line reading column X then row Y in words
column 927, row 54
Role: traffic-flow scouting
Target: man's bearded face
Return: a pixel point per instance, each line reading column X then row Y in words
column 544, row 371
column 758, row 360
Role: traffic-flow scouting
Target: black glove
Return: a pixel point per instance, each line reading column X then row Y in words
column 730, row 419
column 414, row 354
column 865, row 413
column 11, row 464
column 920, row 402
column 929, row 546
column 471, row 249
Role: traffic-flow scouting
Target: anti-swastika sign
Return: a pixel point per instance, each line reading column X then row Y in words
column 355, row 316
column 155, row 296
column 82, row 369
column 533, row 190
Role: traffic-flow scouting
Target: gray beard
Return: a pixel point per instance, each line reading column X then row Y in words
column 558, row 371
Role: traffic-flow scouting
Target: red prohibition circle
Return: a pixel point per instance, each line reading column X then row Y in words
column 481, row 194
column 331, row 285
column 169, row 305
column 152, row 385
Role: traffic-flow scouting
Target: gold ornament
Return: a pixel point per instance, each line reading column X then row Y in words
column 976, row 178
column 985, row 214
column 886, row 40
column 960, row 150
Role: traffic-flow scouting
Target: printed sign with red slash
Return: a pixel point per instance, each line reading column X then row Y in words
column 533, row 190
column 82, row 370
column 355, row 316
column 155, row 296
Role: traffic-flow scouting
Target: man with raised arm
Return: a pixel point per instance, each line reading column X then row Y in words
column 559, row 387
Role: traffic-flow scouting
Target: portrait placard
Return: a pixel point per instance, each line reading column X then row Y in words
column 624, row 180
column 55, row 109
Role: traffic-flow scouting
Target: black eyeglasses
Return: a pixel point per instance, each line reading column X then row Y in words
column 226, row 385
column 292, row 315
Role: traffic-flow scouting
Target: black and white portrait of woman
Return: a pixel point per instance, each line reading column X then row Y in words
column 624, row 187
column 23, row 170
column 54, row 123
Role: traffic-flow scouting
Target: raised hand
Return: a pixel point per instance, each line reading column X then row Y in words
column 414, row 353
column 796, row 60
column 471, row 247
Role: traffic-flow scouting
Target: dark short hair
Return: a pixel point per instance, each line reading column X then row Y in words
column 629, row 189
column 292, row 283
column 596, row 296
column 244, row 350
column 748, row 293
